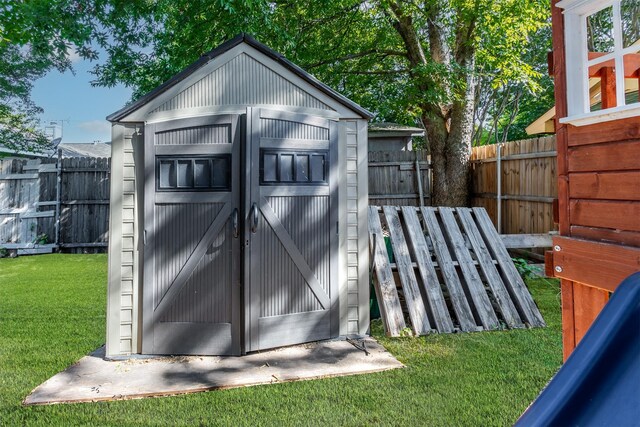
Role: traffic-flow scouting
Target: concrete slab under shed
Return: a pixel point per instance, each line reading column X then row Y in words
column 93, row 378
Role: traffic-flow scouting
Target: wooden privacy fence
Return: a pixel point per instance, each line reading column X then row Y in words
column 516, row 182
column 73, row 215
column 393, row 179
column 54, row 203
column 451, row 272
column 519, row 199
column 25, row 217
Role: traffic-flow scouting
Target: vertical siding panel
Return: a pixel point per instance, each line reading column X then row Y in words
column 272, row 128
column 211, row 134
column 182, row 228
column 305, row 221
column 242, row 81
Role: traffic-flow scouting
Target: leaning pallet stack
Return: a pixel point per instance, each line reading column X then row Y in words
column 454, row 272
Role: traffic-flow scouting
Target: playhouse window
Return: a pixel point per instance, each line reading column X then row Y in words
column 602, row 42
column 294, row 168
column 202, row 173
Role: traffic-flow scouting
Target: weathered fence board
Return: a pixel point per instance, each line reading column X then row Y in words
column 471, row 279
column 523, row 191
column 393, row 179
column 85, row 201
column 436, row 305
column 500, row 293
column 412, row 297
column 474, row 285
column 452, row 283
column 384, row 284
column 528, row 190
column 518, row 290
column 38, row 212
column 21, row 188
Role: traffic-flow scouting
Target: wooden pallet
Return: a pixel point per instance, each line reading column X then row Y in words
column 453, row 272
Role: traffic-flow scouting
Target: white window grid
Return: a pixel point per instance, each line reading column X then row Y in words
column 577, row 62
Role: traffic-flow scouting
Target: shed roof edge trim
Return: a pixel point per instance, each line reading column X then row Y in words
column 224, row 47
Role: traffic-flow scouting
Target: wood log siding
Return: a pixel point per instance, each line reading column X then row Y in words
column 618, row 156
column 83, row 204
column 603, row 179
column 611, row 186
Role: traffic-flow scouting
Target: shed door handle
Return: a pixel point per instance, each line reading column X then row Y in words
column 235, row 222
column 254, row 218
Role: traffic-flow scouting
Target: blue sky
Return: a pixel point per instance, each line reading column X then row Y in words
column 83, row 108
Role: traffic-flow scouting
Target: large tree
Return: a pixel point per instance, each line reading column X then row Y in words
column 37, row 36
column 457, row 43
column 18, row 124
column 504, row 111
column 406, row 60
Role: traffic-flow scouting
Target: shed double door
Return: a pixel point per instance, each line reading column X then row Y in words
column 240, row 233
column 291, row 233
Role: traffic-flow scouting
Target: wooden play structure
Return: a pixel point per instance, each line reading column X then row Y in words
column 598, row 159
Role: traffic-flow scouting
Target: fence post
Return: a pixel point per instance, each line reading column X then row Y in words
column 419, row 177
column 58, row 195
column 499, row 185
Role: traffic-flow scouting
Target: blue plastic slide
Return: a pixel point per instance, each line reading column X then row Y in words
column 599, row 385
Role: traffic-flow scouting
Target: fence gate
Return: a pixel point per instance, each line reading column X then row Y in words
column 210, row 216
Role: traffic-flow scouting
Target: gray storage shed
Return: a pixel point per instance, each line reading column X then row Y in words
column 385, row 136
column 238, row 210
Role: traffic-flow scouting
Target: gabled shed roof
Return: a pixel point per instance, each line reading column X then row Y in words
column 224, row 47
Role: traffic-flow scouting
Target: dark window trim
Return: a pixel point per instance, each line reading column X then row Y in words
column 193, row 158
column 294, row 153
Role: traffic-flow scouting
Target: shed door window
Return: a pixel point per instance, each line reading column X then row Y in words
column 210, row 173
column 293, row 168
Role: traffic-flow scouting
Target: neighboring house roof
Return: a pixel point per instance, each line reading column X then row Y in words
column 224, row 47
column 386, row 129
column 7, row 151
column 543, row 124
column 96, row 149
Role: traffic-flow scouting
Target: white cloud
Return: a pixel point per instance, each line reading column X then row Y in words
column 73, row 56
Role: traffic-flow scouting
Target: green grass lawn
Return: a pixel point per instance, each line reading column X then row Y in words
column 52, row 312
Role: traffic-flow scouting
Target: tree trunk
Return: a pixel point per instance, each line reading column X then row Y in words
column 448, row 123
column 450, row 145
column 449, row 162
